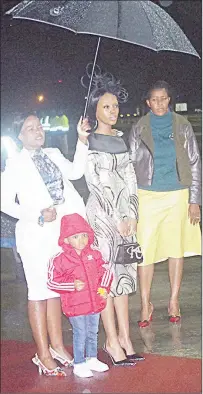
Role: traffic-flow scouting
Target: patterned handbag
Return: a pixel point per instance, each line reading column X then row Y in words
column 128, row 253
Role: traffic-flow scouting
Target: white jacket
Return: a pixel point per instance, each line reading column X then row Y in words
column 22, row 179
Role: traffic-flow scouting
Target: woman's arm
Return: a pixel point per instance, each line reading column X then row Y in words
column 71, row 170
column 131, row 181
column 195, row 190
column 9, row 190
column 75, row 170
column 195, row 165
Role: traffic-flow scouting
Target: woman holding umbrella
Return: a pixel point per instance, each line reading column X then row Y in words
column 167, row 162
column 112, row 209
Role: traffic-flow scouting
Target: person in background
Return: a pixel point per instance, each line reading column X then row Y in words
column 78, row 273
column 167, row 163
column 112, row 211
column 36, row 190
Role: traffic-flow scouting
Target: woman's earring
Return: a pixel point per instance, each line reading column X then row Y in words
column 96, row 124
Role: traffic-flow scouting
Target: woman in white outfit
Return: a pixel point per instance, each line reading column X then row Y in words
column 36, row 189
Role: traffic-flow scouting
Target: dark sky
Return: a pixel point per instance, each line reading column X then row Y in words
column 35, row 56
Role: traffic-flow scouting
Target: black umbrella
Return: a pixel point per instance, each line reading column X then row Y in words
column 139, row 22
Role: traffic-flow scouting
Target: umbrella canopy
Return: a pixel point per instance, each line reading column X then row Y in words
column 139, row 22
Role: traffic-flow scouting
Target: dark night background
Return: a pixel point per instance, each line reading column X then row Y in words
column 35, row 56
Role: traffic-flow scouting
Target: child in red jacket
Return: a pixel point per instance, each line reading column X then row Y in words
column 79, row 275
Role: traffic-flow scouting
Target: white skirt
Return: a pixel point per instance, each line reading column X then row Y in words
column 36, row 245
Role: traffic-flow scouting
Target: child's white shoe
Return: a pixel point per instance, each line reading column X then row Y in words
column 95, row 365
column 82, row 370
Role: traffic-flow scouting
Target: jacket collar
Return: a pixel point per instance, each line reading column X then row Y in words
column 146, row 133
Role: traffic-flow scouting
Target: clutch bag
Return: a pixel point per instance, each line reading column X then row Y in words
column 128, row 253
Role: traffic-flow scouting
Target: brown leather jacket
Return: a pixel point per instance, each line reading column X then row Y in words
column 188, row 160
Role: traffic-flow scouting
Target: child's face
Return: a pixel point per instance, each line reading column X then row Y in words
column 77, row 241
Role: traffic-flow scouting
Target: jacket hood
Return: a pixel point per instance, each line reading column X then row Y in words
column 74, row 224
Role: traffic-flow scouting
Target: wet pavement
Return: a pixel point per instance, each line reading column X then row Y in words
column 162, row 337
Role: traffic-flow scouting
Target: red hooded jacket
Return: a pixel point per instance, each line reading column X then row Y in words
column 67, row 266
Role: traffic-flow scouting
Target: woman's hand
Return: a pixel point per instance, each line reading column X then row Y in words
column 194, row 213
column 49, row 214
column 127, row 227
column 123, row 228
column 132, row 223
column 82, row 128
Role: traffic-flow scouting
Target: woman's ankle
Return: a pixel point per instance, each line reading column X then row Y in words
column 61, row 350
column 47, row 360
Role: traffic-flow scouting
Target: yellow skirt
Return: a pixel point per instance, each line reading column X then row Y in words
column 164, row 229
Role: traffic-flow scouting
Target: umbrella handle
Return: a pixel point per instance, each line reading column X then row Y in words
column 90, row 84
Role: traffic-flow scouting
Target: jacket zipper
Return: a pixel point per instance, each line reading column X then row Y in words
column 89, row 287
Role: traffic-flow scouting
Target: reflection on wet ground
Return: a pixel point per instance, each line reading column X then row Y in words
column 161, row 337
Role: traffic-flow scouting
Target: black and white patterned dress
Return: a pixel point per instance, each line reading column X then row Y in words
column 112, row 184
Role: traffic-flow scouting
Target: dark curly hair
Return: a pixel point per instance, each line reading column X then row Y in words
column 101, row 84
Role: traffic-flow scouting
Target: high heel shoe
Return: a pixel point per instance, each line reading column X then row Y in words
column 174, row 318
column 62, row 360
column 48, row 372
column 146, row 323
column 134, row 356
column 122, row 363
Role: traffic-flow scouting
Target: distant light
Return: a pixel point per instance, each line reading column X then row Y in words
column 128, row 115
column 60, row 81
column 121, row 115
column 40, row 98
column 134, row 114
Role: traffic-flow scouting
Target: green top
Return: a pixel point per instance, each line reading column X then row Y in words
column 165, row 177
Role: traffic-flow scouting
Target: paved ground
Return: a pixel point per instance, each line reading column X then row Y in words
column 164, row 338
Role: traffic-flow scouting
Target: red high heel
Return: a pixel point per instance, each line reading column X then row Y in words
column 146, row 323
column 174, row 318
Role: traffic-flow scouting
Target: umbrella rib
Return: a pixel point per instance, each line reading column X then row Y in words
column 118, row 18
column 163, row 22
column 148, row 19
column 16, row 6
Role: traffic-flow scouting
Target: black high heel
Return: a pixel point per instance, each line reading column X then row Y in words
column 122, row 363
column 134, row 356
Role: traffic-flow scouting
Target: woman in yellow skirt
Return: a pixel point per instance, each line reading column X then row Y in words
column 167, row 162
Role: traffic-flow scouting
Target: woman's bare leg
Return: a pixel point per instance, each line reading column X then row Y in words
column 122, row 313
column 112, row 342
column 37, row 312
column 54, row 324
column 175, row 269
column 145, row 281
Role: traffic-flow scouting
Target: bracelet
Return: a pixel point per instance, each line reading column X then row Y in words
column 41, row 220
